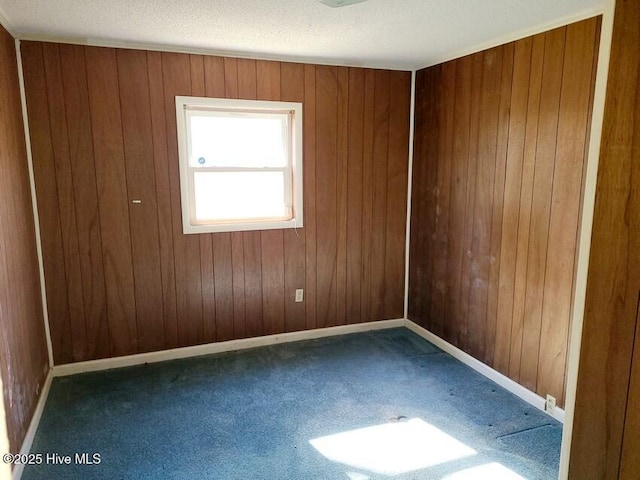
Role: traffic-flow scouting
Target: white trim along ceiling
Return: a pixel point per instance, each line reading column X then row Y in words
column 395, row 34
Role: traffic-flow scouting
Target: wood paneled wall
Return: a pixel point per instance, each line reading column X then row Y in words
column 500, row 147
column 24, row 360
column 606, row 427
column 122, row 278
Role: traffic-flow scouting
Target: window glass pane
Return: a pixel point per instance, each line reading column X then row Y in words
column 237, row 140
column 239, row 196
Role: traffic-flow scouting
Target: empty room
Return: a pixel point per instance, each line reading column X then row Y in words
column 320, row 239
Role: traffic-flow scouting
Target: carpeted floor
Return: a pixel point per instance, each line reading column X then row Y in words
column 376, row 405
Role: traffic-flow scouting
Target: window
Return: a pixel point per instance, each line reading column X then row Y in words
column 240, row 164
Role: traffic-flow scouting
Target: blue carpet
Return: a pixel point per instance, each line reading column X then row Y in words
column 375, row 405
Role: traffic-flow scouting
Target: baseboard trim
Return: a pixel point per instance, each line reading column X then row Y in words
column 220, row 347
column 33, row 425
column 497, row 377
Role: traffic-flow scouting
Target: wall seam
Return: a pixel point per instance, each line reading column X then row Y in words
column 585, row 230
column 34, row 204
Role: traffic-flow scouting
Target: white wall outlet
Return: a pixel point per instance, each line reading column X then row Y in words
column 299, row 295
column 550, row 404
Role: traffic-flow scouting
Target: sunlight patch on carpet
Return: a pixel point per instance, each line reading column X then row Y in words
column 490, row 471
column 392, row 448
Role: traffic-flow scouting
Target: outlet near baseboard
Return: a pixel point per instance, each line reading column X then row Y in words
column 550, row 404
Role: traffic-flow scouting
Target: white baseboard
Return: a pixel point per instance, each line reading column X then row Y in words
column 33, row 425
column 497, row 377
column 219, row 347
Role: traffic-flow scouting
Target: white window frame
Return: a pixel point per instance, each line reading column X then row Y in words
column 293, row 171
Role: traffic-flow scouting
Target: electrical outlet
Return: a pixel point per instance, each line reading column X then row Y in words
column 550, row 405
column 299, row 295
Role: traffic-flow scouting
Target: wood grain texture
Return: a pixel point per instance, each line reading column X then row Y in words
column 487, row 135
column 138, row 154
column 163, row 198
column 24, row 362
column 525, row 208
column 472, row 172
column 146, row 286
column 397, row 177
column 85, row 191
column 630, row 460
column 48, row 208
column 511, row 205
column 367, row 193
column 379, row 185
column 446, row 104
column 326, row 193
column 499, row 155
column 502, row 145
column 541, row 192
column 457, row 200
column 605, row 442
column 108, row 148
column 572, row 133
column 64, row 177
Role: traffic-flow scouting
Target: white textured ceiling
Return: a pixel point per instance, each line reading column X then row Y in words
column 379, row 33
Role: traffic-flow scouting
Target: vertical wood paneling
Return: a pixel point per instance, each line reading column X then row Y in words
column 64, row 182
column 457, row 200
column 484, row 190
column 24, row 362
column 546, row 143
column 106, row 125
column 472, row 172
column 342, row 194
column 511, row 208
column 499, row 155
column 572, row 134
column 431, row 149
column 326, row 190
column 85, row 193
column 135, row 105
column 147, row 286
column 252, row 253
column 442, row 195
column 367, row 192
column 524, row 214
column 604, row 444
column 222, row 256
column 630, row 460
column 355, row 188
column 379, row 182
column 47, row 196
column 397, row 177
column 498, row 199
column 163, row 198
